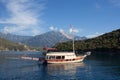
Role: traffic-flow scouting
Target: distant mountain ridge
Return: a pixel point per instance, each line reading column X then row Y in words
column 48, row 39
column 14, row 38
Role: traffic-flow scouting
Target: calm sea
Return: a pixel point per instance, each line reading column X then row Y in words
column 92, row 68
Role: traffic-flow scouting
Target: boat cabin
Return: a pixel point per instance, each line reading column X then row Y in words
column 58, row 55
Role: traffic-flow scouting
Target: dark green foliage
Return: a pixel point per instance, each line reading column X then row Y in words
column 108, row 41
column 8, row 45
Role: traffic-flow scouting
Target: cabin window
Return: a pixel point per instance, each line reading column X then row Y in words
column 58, row 57
column 47, row 57
column 63, row 57
column 51, row 57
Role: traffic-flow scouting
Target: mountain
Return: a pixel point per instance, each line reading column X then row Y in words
column 80, row 38
column 106, row 42
column 14, row 38
column 48, row 39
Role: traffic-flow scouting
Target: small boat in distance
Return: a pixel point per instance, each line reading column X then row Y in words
column 52, row 56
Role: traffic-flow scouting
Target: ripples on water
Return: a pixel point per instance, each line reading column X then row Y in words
column 13, row 68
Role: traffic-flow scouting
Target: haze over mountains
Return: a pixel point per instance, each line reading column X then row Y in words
column 48, row 39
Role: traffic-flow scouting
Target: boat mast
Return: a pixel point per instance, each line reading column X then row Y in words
column 73, row 41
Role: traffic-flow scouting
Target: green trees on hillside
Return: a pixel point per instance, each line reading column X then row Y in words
column 7, row 45
column 104, row 42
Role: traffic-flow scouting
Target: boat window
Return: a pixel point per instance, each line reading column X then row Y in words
column 58, row 57
column 51, row 57
column 47, row 57
column 63, row 57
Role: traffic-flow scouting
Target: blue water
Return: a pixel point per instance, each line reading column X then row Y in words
column 92, row 68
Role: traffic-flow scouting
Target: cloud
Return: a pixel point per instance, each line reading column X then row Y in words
column 22, row 30
column 53, row 28
column 94, row 35
column 24, row 15
column 73, row 30
column 115, row 2
column 65, row 34
column 62, row 31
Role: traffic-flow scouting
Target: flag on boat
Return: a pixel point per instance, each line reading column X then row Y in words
column 73, row 30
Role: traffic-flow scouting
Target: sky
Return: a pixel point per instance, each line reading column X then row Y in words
column 88, row 18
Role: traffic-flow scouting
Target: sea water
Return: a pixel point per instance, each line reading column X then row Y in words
column 92, row 68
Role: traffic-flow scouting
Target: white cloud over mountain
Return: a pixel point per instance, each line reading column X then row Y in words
column 65, row 34
column 94, row 35
column 53, row 28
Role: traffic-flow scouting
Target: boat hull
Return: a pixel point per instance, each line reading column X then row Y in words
column 58, row 62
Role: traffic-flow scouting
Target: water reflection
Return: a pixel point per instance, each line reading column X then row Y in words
column 102, row 70
column 63, row 69
column 29, row 68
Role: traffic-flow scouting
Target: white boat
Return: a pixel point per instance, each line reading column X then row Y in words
column 62, row 57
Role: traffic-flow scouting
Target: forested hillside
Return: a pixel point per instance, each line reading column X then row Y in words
column 8, row 45
column 106, row 42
